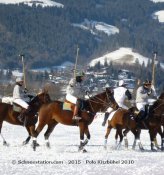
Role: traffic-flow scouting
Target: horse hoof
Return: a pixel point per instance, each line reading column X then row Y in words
column 84, row 151
column 48, row 145
column 5, row 143
column 24, row 143
column 154, row 150
column 37, row 144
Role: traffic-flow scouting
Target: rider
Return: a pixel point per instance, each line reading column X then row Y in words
column 143, row 94
column 20, row 97
column 120, row 94
column 75, row 93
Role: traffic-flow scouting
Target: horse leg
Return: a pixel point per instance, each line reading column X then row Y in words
column 153, row 134
column 162, row 141
column 159, row 131
column 119, row 130
column 107, row 134
column 50, row 128
column 28, row 138
column 35, row 134
column 125, row 137
column 4, row 141
column 82, row 128
column 136, row 133
column 116, row 137
column 87, row 133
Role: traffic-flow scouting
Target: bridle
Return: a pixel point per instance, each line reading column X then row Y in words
column 98, row 100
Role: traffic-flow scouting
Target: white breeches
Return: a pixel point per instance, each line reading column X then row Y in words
column 122, row 105
column 141, row 106
column 71, row 98
column 109, row 110
column 22, row 103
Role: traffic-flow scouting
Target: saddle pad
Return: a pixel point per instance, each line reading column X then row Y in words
column 67, row 106
column 8, row 100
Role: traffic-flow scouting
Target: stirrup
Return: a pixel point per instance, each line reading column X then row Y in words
column 103, row 123
column 76, row 117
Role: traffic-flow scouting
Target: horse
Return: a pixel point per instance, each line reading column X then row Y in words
column 53, row 113
column 8, row 114
column 124, row 119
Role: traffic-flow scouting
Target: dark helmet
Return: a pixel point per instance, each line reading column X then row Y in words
column 147, row 83
column 80, row 74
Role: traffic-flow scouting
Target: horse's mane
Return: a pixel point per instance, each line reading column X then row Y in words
column 96, row 96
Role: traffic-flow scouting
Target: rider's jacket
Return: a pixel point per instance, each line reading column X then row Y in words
column 76, row 89
column 18, row 93
column 143, row 94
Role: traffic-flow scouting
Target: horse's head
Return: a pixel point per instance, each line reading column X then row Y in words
column 102, row 101
column 110, row 99
column 41, row 98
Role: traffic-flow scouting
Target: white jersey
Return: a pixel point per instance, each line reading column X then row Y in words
column 120, row 94
column 19, row 96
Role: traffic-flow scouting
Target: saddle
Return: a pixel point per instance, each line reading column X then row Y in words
column 68, row 106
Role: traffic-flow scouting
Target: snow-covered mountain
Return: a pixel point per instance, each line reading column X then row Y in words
column 159, row 15
column 43, row 3
column 95, row 27
column 156, row 1
column 121, row 56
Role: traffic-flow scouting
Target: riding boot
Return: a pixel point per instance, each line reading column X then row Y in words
column 141, row 116
column 24, row 113
column 76, row 110
column 105, row 118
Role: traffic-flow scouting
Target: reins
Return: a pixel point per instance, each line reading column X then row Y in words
column 100, row 101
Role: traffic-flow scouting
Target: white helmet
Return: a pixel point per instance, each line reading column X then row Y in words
column 19, row 79
column 121, row 83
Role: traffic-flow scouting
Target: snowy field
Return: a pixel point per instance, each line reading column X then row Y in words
column 64, row 159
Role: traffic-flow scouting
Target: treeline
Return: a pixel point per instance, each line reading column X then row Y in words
column 46, row 36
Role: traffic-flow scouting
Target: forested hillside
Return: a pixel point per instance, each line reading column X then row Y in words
column 47, row 37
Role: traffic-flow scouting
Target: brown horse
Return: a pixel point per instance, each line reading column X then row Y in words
column 11, row 116
column 124, row 119
column 53, row 113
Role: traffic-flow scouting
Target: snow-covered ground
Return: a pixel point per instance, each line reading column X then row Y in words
column 43, row 3
column 64, row 159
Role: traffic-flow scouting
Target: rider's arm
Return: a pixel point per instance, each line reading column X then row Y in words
column 128, row 94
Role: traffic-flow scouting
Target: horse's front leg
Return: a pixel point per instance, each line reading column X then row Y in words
column 28, row 138
column 153, row 133
column 87, row 133
column 119, row 131
column 47, row 134
column 107, row 134
column 4, row 141
column 82, row 142
column 125, row 137
column 137, row 133
column 35, row 133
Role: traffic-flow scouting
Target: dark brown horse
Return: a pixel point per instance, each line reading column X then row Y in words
column 9, row 115
column 124, row 119
column 53, row 113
